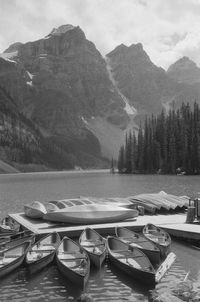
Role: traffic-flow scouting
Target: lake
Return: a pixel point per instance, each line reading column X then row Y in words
column 108, row 284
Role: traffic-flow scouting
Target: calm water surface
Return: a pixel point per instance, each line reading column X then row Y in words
column 108, row 284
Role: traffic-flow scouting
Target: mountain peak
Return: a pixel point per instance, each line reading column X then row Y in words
column 185, row 71
column 137, row 47
column 61, row 30
column 13, row 47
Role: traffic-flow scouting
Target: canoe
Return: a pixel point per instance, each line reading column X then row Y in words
column 159, row 237
column 42, row 252
column 73, row 262
column 89, row 214
column 147, row 206
column 8, row 226
column 95, row 245
column 136, row 240
column 130, row 260
column 35, row 210
column 8, row 243
column 12, row 258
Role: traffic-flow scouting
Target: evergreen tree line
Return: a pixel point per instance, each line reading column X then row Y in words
column 167, row 143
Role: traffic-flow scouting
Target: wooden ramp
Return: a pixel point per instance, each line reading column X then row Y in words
column 174, row 224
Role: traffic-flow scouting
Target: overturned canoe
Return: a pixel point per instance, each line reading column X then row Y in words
column 95, row 245
column 89, row 214
column 159, row 237
column 130, row 260
column 136, row 240
column 73, row 262
column 42, row 252
column 35, row 210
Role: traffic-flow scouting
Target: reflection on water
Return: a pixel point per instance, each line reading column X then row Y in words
column 107, row 284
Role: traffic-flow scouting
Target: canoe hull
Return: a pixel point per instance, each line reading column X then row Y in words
column 96, row 260
column 74, row 278
column 159, row 237
column 35, row 210
column 8, row 268
column 68, row 253
column 91, row 214
column 120, row 255
column 144, row 277
column 142, row 243
column 94, row 245
column 42, row 253
column 41, row 263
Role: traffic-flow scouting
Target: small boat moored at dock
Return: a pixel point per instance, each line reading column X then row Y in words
column 42, row 252
column 130, row 260
column 12, row 258
column 73, row 262
column 35, row 210
column 159, row 237
column 136, row 240
column 95, row 245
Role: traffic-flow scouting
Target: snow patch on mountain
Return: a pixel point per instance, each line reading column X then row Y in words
column 130, row 110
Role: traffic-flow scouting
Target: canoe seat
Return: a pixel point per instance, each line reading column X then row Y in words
column 39, row 251
column 72, row 259
column 92, row 245
column 11, row 256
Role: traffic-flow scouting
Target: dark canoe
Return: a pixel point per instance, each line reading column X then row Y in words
column 95, row 245
column 139, row 241
column 159, row 237
column 73, row 262
column 42, row 252
column 13, row 237
column 130, row 260
column 12, row 258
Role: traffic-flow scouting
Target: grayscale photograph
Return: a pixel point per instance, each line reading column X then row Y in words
column 100, row 150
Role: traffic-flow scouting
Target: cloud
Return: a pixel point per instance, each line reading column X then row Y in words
column 167, row 29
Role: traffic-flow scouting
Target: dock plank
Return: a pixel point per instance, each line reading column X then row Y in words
column 174, row 224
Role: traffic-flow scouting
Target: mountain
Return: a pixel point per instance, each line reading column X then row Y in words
column 184, row 71
column 75, row 105
column 147, row 87
column 62, row 85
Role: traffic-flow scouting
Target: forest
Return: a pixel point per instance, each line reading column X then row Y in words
column 165, row 144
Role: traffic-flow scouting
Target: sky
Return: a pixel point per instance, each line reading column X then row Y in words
column 168, row 29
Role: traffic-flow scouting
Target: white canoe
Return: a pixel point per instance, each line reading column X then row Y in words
column 35, row 210
column 88, row 214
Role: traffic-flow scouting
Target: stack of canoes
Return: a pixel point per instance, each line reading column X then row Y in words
column 160, row 201
column 68, row 211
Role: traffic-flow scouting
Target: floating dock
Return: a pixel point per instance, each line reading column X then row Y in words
column 174, row 224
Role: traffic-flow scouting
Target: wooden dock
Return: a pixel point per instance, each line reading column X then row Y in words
column 174, row 224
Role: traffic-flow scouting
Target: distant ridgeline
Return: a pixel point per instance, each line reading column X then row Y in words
column 168, row 144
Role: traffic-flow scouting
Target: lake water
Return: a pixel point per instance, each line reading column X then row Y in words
column 108, row 284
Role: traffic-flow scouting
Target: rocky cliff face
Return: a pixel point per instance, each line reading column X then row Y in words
column 147, row 86
column 184, row 71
